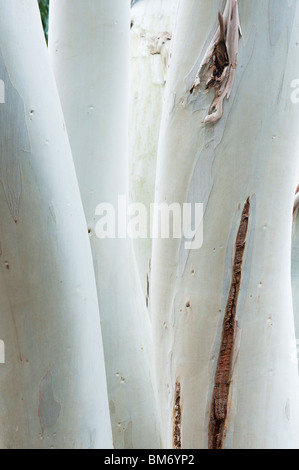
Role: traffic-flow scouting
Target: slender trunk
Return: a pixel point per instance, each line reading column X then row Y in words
column 53, row 384
column 89, row 48
column 223, row 319
column 295, row 281
column 152, row 23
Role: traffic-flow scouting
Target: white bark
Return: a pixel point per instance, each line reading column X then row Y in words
column 53, row 384
column 295, row 280
column 251, row 152
column 151, row 31
column 89, row 47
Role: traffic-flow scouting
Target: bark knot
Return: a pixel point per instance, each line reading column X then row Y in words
column 217, row 69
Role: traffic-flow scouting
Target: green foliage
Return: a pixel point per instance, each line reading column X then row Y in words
column 44, row 12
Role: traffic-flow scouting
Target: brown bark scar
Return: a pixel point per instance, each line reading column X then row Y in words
column 229, row 343
column 217, row 69
column 296, row 203
column 177, row 417
column 147, row 291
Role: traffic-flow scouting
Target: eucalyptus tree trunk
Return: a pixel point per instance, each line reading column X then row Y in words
column 53, row 384
column 222, row 314
column 295, row 277
column 89, row 48
column 151, row 32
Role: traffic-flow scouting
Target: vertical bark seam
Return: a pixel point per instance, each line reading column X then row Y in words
column 223, row 375
column 177, row 417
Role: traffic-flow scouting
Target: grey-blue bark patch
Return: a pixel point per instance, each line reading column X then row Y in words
column 48, row 408
column 281, row 18
column 13, row 139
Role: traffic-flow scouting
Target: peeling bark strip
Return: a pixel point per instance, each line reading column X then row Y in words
column 217, row 69
column 223, row 374
column 157, row 42
column 177, row 417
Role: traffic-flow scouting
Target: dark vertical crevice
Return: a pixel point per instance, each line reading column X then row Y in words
column 177, row 417
column 219, row 408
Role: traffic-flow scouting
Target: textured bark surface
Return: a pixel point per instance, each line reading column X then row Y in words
column 152, row 23
column 223, row 376
column 177, row 417
column 217, row 69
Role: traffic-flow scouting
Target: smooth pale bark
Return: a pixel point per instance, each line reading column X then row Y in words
column 251, row 152
column 295, row 283
column 151, row 31
column 53, row 384
column 89, row 48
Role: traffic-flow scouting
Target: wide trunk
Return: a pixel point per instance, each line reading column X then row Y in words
column 223, row 318
column 53, row 384
column 89, row 48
